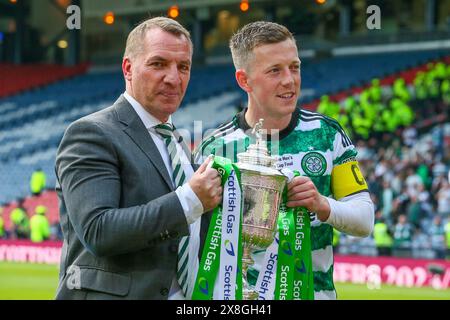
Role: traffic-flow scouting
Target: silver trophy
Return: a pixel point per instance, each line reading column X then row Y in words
column 262, row 187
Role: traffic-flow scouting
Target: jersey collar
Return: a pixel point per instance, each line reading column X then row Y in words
column 242, row 123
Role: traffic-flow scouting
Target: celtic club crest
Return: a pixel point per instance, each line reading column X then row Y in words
column 314, row 164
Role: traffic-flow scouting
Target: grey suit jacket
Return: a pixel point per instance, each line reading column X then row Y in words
column 121, row 219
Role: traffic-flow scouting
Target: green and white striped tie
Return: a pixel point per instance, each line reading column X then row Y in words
column 165, row 130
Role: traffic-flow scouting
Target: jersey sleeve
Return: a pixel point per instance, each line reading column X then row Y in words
column 346, row 176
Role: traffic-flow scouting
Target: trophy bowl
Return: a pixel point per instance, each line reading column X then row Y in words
column 262, row 187
column 262, row 196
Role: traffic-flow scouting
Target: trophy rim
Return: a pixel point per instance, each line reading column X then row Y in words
column 260, row 170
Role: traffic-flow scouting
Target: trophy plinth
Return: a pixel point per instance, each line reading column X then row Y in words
column 262, row 187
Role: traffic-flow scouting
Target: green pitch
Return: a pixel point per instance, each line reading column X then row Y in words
column 38, row 281
column 22, row 281
column 348, row 291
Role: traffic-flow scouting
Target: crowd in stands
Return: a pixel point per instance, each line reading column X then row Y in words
column 403, row 141
column 34, row 226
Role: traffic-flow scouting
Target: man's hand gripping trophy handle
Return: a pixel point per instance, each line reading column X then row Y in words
column 206, row 183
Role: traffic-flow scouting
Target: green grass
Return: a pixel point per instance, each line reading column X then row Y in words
column 19, row 281
column 349, row 291
column 22, row 281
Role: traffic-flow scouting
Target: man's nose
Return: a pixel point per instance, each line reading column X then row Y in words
column 173, row 75
column 287, row 77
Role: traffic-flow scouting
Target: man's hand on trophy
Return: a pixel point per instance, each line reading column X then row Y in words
column 206, row 184
column 303, row 193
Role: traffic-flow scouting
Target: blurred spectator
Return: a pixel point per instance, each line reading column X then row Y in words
column 328, row 107
column 421, row 247
column 414, row 212
column 410, row 136
column 388, row 198
column 381, row 168
column 447, row 236
column 424, row 173
column 344, row 120
column 397, row 183
column 364, row 152
column 382, row 236
column 439, row 169
column 56, row 232
column 39, row 225
column 375, row 186
column 375, row 90
column 400, row 90
column 403, row 233
column 437, row 237
column 400, row 204
column 424, row 199
column 20, row 221
column 2, row 224
column 37, row 182
column 413, row 180
column 437, row 134
column 443, row 199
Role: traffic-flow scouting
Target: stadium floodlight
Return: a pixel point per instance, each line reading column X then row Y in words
column 244, row 6
column 173, row 12
column 108, row 18
column 63, row 44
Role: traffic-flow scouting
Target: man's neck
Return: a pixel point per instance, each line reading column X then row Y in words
column 136, row 104
column 252, row 117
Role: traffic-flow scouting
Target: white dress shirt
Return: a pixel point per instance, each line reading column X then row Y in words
column 190, row 203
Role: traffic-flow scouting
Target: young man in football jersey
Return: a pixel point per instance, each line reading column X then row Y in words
column 331, row 185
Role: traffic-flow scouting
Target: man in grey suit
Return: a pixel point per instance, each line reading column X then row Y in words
column 121, row 212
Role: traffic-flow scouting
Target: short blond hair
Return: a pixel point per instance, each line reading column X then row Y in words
column 136, row 36
column 253, row 35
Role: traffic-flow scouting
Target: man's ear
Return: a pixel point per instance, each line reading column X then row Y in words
column 126, row 68
column 242, row 80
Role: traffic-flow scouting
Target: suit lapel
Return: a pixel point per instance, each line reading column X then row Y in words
column 136, row 130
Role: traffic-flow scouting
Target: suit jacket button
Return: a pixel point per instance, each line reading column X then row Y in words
column 173, row 248
column 164, row 291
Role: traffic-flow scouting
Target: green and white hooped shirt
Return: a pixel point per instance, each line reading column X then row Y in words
column 313, row 144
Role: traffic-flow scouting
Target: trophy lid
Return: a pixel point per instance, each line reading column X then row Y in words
column 257, row 157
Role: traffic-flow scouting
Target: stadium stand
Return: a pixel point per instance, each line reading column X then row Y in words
column 18, row 78
column 46, row 199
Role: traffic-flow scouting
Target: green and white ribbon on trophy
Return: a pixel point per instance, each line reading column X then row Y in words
column 290, row 256
column 286, row 272
column 219, row 272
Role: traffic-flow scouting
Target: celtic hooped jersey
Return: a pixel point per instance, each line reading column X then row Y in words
column 313, row 144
